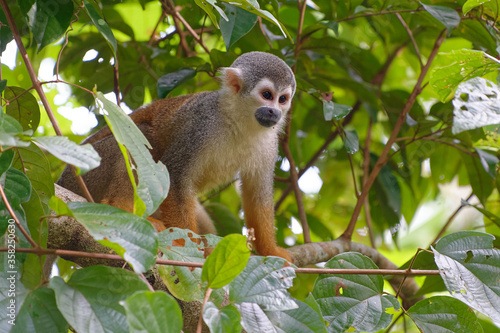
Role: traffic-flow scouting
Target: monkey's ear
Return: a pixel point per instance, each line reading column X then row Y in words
column 231, row 78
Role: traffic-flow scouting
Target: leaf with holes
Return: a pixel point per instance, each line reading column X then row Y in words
column 353, row 301
column 184, row 245
column 470, row 267
column 476, row 104
column 458, row 66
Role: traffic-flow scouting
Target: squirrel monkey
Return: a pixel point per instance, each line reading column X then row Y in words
column 205, row 140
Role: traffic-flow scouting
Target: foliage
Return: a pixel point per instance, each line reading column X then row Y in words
column 397, row 103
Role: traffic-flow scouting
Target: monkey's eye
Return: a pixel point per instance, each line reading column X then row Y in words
column 282, row 99
column 267, row 95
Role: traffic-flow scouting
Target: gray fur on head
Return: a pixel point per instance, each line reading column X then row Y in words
column 259, row 65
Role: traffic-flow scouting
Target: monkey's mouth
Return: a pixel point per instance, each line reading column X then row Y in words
column 267, row 116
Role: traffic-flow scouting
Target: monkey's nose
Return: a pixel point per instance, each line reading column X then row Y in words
column 267, row 116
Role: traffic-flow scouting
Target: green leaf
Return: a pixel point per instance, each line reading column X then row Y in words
column 89, row 301
column 132, row 237
column 184, row 245
column 84, row 157
column 447, row 16
column 152, row 312
column 264, row 282
column 459, row 66
column 471, row 4
column 24, row 108
column 351, row 141
column 301, row 320
column 17, row 187
column 101, row 25
column 10, row 301
column 238, row 23
column 5, row 33
column 170, row 81
column 470, row 267
column 488, row 161
column 225, row 320
column 47, row 20
column 353, row 301
column 481, row 182
column 442, row 314
column 208, row 6
column 39, row 313
column 253, row 7
column 11, row 132
column 224, row 220
column 60, row 207
column 227, row 260
column 335, row 111
column 476, row 104
column 6, row 158
column 153, row 178
column 37, row 167
column 3, row 83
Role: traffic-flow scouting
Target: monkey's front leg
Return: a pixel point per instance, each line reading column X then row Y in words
column 178, row 210
column 259, row 214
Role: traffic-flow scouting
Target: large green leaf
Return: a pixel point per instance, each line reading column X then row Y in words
column 335, row 111
column 24, row 108
column 253, row 7
column 442, row 314
column 470, row 267
column 458, row 66
column 184, row 245
column 37, row 167
column 353, row 301
column 476, row 104
column 47, row 20
column 301, row 320
column 225, row 320
column 153, row 178
column 153, row 312
column 84, row 157
column 5, row 33
column 39, row 313
column 132, row 237
column 170, row 81
column 264, row 282
column 224, row 220
column 101, row 25
column 238, row 23
column 480, row 180
column 209, row 6
column 11, row 132
column 89, row 301
column 226, row 261
column 447, row 16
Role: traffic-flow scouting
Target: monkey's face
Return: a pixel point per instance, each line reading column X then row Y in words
column 273, row 102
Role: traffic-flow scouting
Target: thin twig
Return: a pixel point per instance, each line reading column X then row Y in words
column 191, row 31
column 69, row 253
column 382, row 160
column 208, row 292
column 18, row 223
column 451, row 218
column 410, row 34
column 367, row 14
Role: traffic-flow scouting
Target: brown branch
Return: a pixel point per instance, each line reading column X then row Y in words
column 191, row 31
column 382, row 160
column 18, row 223
column 37, row 86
